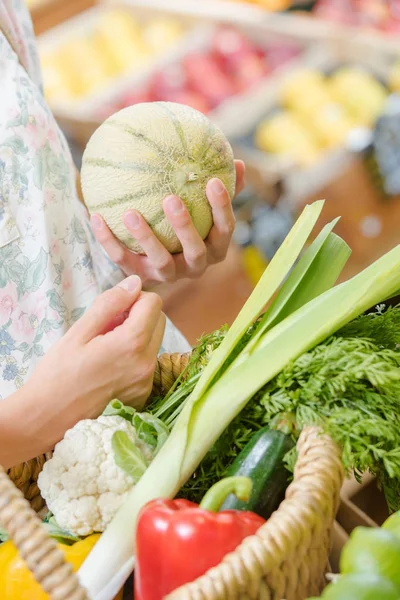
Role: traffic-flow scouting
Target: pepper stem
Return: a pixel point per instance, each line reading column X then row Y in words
column 217, row 494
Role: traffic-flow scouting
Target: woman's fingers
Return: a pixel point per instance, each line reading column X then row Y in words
column 159, row 257
column 240, row 172
column 219, row 238
column 106, row 309
column 194, row 249
column 147, row 362
column 141, row 323
column 117, row 252
column 158, row 335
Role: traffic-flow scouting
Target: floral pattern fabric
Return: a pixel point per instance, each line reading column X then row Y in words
column 51, row 267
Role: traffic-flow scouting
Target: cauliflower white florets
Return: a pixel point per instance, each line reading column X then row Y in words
column 82, row 485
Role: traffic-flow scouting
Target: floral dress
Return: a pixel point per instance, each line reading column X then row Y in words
column 51, row 267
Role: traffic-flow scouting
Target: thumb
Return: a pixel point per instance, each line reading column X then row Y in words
column 107, row 309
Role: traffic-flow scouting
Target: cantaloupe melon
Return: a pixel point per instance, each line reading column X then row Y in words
column 146, row 152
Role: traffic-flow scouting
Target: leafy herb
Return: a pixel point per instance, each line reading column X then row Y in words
column 53, row 529
column 115, row 408
column 349, row 384
column 3, row 535
column 128, row 456
column 150, row 430
column 61, row 535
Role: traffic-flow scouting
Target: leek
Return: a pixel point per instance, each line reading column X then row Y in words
column 98, row 581
column 197, row 427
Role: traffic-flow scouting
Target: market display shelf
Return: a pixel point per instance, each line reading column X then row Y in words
column 300, row 181
column 301, row 25
column 81, row 117
column 324, row 48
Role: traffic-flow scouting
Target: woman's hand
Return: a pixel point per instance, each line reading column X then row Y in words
column 159, row 265
column 111, row 352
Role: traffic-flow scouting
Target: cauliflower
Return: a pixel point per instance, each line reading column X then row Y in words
column 82, row 484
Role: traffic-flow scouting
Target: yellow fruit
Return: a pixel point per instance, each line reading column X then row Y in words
column 18, row 583
column 119, row 38
column 330, row 125
column 284, row 134
column 394, row 78
column 305, row 91
column 159, row 34
column 56, row 87
column 360, row 93
column 146, row 152
column 82, row 66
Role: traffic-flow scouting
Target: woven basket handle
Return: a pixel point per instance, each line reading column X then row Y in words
column 168, row 369
column 40, row 552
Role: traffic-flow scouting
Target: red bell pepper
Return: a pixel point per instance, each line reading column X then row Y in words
column 178, row 540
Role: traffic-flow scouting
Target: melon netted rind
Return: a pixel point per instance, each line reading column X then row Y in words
column 146, row 152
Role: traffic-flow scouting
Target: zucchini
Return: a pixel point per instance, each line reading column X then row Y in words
column 262, row 461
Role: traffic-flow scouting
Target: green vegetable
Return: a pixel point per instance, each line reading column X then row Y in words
column 361, row 587
column 149, row 429
column 53, row 529
column 115, row 408
column 262, row 461
column 350, row 384
column 128, row 456
column 372, row 551
column 3, row 535
column 392, row 524
column 61, row 535
column 228, row 382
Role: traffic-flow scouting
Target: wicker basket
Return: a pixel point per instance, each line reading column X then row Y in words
column 286, row 559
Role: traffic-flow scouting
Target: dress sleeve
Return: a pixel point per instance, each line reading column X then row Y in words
column 16, row 27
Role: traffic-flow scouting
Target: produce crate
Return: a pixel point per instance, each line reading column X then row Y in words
column 76, row 115
column 264, row 168
column 79, row 119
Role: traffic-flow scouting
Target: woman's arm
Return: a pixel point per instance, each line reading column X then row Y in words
column 111, row 352
column 21, row 432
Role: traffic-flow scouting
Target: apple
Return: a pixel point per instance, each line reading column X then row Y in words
column 134, row 97
column 336, row 10
column 169, row 81
column 206, row 77
column 192, row 99
column 392, row 26
column 280, row 53
column 250, row 70
column 229, row 46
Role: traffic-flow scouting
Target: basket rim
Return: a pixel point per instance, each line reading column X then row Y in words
column 318, row 478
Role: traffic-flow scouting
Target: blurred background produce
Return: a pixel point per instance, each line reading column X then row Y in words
column 115, row 44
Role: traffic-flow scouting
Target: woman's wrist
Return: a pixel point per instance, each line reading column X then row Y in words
column 22, row 432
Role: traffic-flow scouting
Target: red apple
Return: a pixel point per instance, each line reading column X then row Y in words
column 392, row 26
column 336, row 10
column 192, row 99
column 250, row 70
column 279, row 54
column 169, row 81
column 229, row 46
column 206, row 77
column 135, row 97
